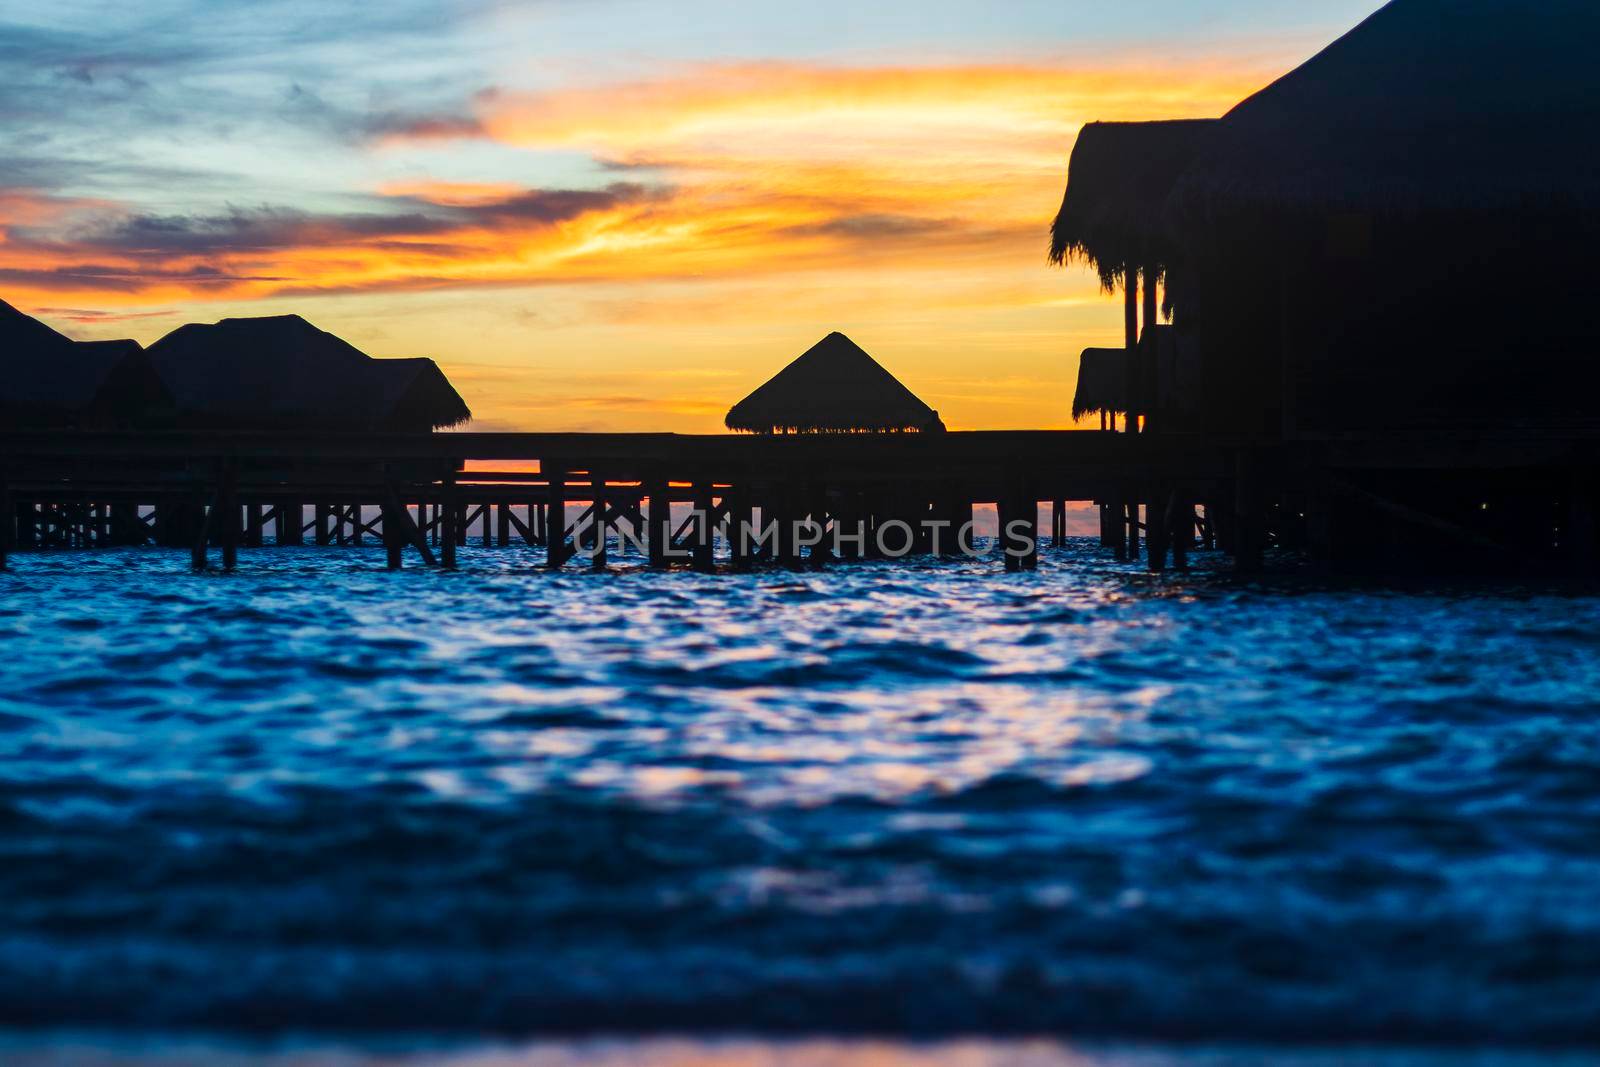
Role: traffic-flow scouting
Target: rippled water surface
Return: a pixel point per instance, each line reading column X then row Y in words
column 887, row 798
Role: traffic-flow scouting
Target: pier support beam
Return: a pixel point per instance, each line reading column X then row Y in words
column 557, row 550
column 705, row 528
column 8, row 518
column 448, row 518
column 658, row 519
column 228, row 505
column 1247, row 531
column 599, row 532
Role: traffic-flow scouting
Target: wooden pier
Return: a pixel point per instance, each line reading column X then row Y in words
column 585, row 495
column 580, row 498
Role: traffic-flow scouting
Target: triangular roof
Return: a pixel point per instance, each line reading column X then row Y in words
column 833, row 387
column 1426, row 105
column 47, row 376
column 279, row 371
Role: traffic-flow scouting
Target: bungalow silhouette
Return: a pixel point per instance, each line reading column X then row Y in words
column 833, row 387
column 1392, row 237
column 48, row 380
column 283, row 373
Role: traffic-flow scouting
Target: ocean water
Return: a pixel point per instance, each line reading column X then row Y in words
column 915, row 799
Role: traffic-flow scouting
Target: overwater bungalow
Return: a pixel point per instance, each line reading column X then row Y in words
column 833, row 387
column 1391, row 235
column 281, row 372
column 1372, row 267
column 48, row 380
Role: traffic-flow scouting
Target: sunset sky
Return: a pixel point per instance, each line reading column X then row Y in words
column 598, row 214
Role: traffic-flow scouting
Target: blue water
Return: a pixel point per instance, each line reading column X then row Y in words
column 890, row 798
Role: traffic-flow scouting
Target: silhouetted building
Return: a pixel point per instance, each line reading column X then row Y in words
column 50, row 380
column 833, row 387
column 1394, row 235
column 281, row 372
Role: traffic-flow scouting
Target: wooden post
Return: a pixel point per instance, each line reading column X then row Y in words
column 27, row 520
column 740, row 515
column 8, row 517
column 1247, row 521
column 253, row 524
column 658, row 517
column 1147, row 351
column 1160, row 514
column 200, row 536
column 504, row 527
column 1183, row 534
column 705, row 528
column 228, row 504
column 598, row 527
column 1583, row 525
column 1130, row 323
column 293, row 513
column 447, row 520
column 556, row 516
column 393, row 535
column 1030, row 515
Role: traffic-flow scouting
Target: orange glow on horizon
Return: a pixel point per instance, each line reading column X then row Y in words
column 771, row 202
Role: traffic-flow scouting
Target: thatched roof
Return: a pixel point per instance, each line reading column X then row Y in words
column 283, row 372
column 833, row 387
column 46, row 378
column 1102, row 382
column 1117, row 184
column 1428, row 105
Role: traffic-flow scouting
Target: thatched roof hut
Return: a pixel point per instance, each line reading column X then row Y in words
column 1118, row 181
column 833, row 387
column 282, row 372
column 50, row 380
column 1428, row 105
column 1102, row 383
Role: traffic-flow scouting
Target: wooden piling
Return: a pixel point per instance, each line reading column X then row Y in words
column 1583, row 522
column 704, row 527
column 658, row 520
column 556, row 550
column 447, row 521
column 228, row 505
column 253, row 524
column 599, row 533
column 1247, row 533
column 8, row 518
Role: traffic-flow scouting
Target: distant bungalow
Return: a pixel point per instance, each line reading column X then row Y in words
column 1398, row 234
column 282, row 372
column 256, row 374
column 50, row 380
column 833, row 387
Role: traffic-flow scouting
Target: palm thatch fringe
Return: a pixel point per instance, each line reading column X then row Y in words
column 1102, row 382
column 1118, row 181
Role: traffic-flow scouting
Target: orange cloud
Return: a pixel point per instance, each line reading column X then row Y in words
column 755, row 206
column 749, row 169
